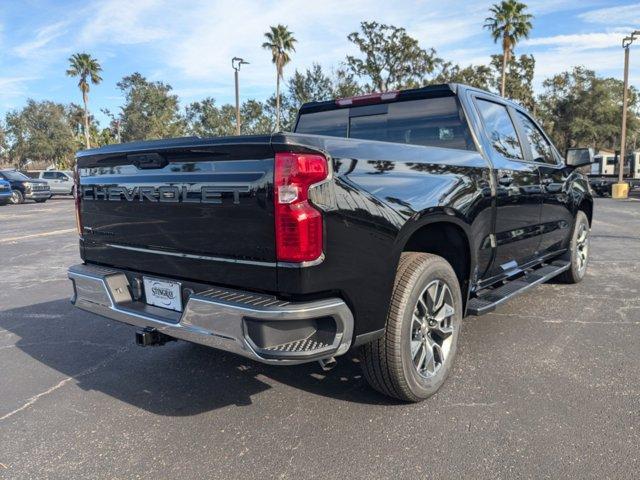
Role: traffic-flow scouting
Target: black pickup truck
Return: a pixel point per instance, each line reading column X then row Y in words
column 376, row 226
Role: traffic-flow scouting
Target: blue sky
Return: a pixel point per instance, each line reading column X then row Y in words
column 189, row 44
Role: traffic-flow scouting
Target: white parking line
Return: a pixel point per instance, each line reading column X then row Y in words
column 35, row 235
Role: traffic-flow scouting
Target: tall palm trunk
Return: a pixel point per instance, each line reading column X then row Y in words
column 503, row 83
column 277, row 98
column 505, row 52
column 86, row 120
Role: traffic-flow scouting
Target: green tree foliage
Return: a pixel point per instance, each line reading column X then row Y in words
column 150, row 110
column 281, row 43
column 256, row 118
column 519, row 80
column 519, row 86
column 4, row 144
column 87, row 69
column 580, row 109
column 391, row 59
column 345, row 84
column 508, row 24
column 40, row 132
column 111, row 134
column 312, row 85
column 75, row 115
column 479, row 76
column 206, row 119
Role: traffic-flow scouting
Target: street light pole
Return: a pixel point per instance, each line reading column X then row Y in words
column 236, row 63
column 621, row 189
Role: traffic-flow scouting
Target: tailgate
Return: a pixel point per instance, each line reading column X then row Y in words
column 198, row 209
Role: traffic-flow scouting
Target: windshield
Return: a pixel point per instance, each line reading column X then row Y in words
column 13, row 175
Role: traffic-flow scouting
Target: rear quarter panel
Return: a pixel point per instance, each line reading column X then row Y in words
column 381, row 193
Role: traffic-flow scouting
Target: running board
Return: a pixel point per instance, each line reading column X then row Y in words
column 488, row 301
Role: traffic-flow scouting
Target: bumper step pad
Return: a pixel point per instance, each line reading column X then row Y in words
column 489, row 299
column 304, row 345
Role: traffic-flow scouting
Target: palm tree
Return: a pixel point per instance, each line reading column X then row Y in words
column 280, row 41
column 88, row 69
column 508, row 23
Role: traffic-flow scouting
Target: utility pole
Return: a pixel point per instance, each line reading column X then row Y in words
column 621, row 189
column 236, row 63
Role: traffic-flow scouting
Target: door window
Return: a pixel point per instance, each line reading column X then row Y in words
column 541, row 150
column 49, row 175
column 500, row 129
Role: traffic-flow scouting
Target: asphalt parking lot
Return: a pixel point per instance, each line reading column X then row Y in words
column 546, row 387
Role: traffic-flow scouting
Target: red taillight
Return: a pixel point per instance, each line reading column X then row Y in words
column 78, row 199
column 298, row 224
column 367, row 99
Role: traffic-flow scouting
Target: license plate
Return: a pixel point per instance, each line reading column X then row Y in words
column 163, row 294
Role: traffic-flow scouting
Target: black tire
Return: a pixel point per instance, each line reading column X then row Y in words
column 578, row 253
column 389, row 363
column 16, row 197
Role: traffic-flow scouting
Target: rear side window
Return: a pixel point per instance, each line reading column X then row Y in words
column 49, row 175
column 435, row 122
column 332, row 123
column 500, row 129
column 541, row 150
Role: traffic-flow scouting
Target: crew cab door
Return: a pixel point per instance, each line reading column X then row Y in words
column 518, row 190
column 556, row 214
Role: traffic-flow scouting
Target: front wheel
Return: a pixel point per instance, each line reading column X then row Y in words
column 16, row 197
column 578, row 253
column 415, row 355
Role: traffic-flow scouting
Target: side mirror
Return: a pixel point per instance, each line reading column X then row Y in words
column 579, row 157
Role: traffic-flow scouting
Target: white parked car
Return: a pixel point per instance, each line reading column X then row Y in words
column 60, row 181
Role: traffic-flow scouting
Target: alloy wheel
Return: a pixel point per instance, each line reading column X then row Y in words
column 582, row 248
column 432, row 329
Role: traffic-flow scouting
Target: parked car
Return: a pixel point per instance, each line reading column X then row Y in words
column 60, row 181
column 25, row 188
column 5, row 192
column 375, row 227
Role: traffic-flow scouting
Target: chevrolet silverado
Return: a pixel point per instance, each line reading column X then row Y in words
column 374, row 228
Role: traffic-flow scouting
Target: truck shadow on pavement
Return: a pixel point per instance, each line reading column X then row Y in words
column 177, row 379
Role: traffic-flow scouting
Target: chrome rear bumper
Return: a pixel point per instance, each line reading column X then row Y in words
column 259, row 327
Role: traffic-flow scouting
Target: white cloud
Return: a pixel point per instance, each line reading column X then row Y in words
column 123, row 22
column 621, row 15
column 12, row 88
column 579, row 42
column 44, row 36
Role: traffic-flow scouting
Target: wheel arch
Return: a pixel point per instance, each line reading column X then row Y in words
column 448, row 237
column 586, row 205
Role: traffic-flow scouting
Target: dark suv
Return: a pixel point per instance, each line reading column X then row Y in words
column 25, row 188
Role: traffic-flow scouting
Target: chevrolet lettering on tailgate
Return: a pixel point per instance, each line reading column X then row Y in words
column 164, row 193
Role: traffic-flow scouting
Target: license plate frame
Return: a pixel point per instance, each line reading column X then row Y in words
column 163, row 293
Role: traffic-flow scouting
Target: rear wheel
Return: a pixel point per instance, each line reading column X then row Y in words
column 16, row 197
column 415, row 355
column 578, row 253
